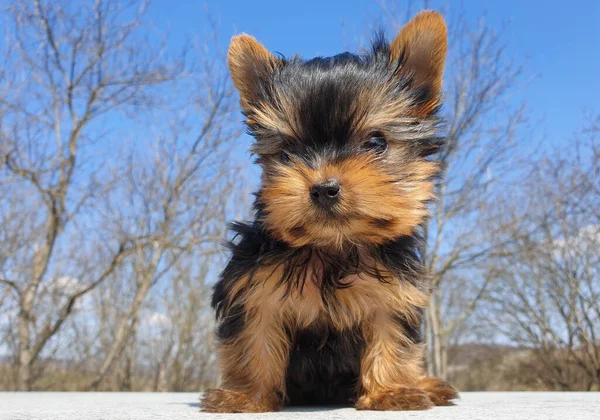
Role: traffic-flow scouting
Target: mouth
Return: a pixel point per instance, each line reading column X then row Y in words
column 332, row 217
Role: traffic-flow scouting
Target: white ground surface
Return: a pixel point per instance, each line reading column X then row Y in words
column 134, row 406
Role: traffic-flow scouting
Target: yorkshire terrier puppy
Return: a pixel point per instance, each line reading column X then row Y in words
column 322, row 300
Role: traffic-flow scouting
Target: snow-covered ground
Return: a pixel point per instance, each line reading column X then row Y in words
column 137, row 406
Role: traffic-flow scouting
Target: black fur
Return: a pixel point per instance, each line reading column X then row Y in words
column 324, row 366
column 252, row 248
column 324, row 90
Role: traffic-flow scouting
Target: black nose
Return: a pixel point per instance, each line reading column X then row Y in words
column 326, row 193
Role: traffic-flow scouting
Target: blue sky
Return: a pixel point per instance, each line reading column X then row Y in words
column 557, row 41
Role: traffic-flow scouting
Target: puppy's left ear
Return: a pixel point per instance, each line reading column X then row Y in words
column 250, row 65
column 422, row 45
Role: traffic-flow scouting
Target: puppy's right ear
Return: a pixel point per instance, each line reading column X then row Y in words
column 423, row 43
column 250, row 64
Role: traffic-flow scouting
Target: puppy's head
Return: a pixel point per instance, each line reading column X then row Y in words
column 343, row 141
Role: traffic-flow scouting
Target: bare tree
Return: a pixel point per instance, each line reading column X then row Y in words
column 181, row 343
column 548, row 290
column 177, row 198
column 76, row 78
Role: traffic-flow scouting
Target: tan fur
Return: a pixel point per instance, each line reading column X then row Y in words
column 390, row 358
column 278, row 116
column 392, row 376
column 397, row 399
column 424, row 40
column 229, row 401
column 364, row 182
column 255, row 363
column 247, row 57
column 438, row 391
column 381, row 108
column 305, row 307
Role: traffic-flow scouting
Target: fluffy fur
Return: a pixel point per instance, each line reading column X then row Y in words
column 322, row 304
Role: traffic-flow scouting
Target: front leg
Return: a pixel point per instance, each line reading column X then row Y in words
column 253, row 355
column 392, row 377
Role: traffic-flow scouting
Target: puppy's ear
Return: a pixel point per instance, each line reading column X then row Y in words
column 250, row 65
column 422, row 44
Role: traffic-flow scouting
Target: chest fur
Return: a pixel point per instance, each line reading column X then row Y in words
column 305, row 303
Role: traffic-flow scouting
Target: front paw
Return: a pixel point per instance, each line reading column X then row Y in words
column 227, row 401
column 439, row 391
column 401, row 399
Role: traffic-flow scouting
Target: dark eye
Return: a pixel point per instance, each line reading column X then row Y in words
column 285, row 156
column 376, row 143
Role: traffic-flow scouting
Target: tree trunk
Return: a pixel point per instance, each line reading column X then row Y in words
column 24, row 371
column 160, row 380
column 129, row 368
column 127, row 325
column 24, row 379
column 428, row 344
column 436, row 344
column 444, row 356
